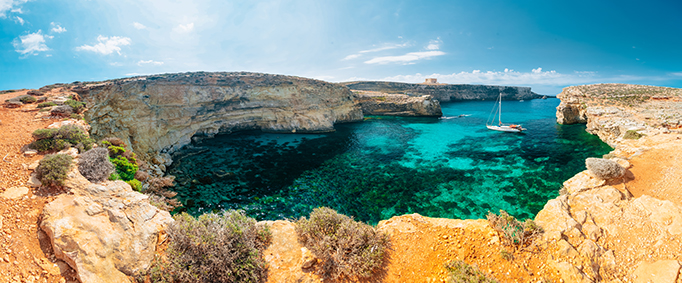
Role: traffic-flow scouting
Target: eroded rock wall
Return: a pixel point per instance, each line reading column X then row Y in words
column 162, row 113
column 448, row 92
column 377, row 103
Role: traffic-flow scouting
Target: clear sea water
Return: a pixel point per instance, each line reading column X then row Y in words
column 387, row 166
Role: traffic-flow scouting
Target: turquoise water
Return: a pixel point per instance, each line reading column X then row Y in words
column 387, row 166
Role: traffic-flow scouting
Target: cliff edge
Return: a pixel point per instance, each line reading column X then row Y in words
column 163, row 112
column 447, row 92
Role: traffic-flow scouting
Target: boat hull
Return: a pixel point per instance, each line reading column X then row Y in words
column 506, row 129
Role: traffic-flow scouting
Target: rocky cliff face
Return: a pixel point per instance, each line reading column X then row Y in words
column 378, row 103
column 446, row 92
column 611, row 110
column 161, row 113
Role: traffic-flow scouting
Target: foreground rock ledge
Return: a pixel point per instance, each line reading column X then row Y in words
column 105, row 232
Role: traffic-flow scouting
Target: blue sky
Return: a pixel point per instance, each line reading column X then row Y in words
column 546, row 45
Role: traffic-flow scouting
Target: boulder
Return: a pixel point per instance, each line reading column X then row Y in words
column 14, row 193
column 35, row 92
column 605, row 169
column 105, row 232
column 63, row 111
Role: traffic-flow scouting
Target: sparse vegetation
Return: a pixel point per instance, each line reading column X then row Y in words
column 94, row 165
column 512, row 232
column 27, row 99
column 53, row 169
column 77, row 106
column 346, row 248
column 225, row 247
column 46, row 104
column 632, row 135
column 506, row 255
column 59, row 139
column 461, row 272
column 135, row 184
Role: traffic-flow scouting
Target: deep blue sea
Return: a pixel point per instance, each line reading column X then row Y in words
column 450, row 167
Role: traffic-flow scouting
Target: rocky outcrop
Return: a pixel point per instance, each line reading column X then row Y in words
column 611, row 110
column 378, row 103
column 163, row 113
column 598, row 230
column 105, row 232
column 447, row 92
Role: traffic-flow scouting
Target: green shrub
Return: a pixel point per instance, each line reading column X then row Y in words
column 95, row 166
column 225, row 247
column 114, row 176
column 513, row 232
column 460, row 272
column 347, row 249
column 632, row 135
column 53, row 169
column 135, row 184
column 58, row 139
column 27, row 99
column 77, row 106
column 46, row 104
column 125, row 169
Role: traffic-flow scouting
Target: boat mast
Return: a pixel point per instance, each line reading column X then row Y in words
column 500, row 108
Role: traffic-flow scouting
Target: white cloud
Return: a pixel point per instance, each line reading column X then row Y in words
column 106, row 45
column 19, row 20
column 57, row 28
column 386, row 47
column 139, row 25
column 507, row 77
column 405, row 59
column 31, row 43
column 149, row 62
column 679, row 74
column 184, row 28
column 11, row 6
column 434, row 44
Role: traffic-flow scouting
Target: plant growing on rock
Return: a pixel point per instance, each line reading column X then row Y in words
column 346, row 248
column 59, row 139
column 27, row 99
column 53, row 169
column 94, row 165
column 124, row 161
column 632, row 135
column 46, row 104
column 77, row 106
column 513, row 232
column 461, row 272
column 225, row 247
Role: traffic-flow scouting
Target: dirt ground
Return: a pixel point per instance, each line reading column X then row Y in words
column 24, row 257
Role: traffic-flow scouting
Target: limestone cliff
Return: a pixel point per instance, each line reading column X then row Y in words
column 611, row 110
column 447, row 92
column 379, row 103
column 161, row 113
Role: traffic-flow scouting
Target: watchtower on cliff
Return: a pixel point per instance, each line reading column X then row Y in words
column 431, row 81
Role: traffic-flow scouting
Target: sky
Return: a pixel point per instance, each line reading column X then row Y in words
column 546, row 45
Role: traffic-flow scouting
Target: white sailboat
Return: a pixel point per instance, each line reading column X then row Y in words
column 490, row 124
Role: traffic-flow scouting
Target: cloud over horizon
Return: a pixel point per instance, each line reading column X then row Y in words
column 106, row 45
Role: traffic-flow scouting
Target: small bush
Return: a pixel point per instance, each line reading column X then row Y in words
column 513, row 232
column 506, row 255
column 95, row 166
column 35, row 92
column 141, row 175
column 59, row 139
column 53, row 169
column 46, row 104
column 125, row 169
column 27, row 99
column 632, row 135
column 347, row 249
column 114, row 176
column 225, row 247
column 77, row 106
column 460, row 272
column 135, row 184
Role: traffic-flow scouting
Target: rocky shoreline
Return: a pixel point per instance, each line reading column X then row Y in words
column 625, row 229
